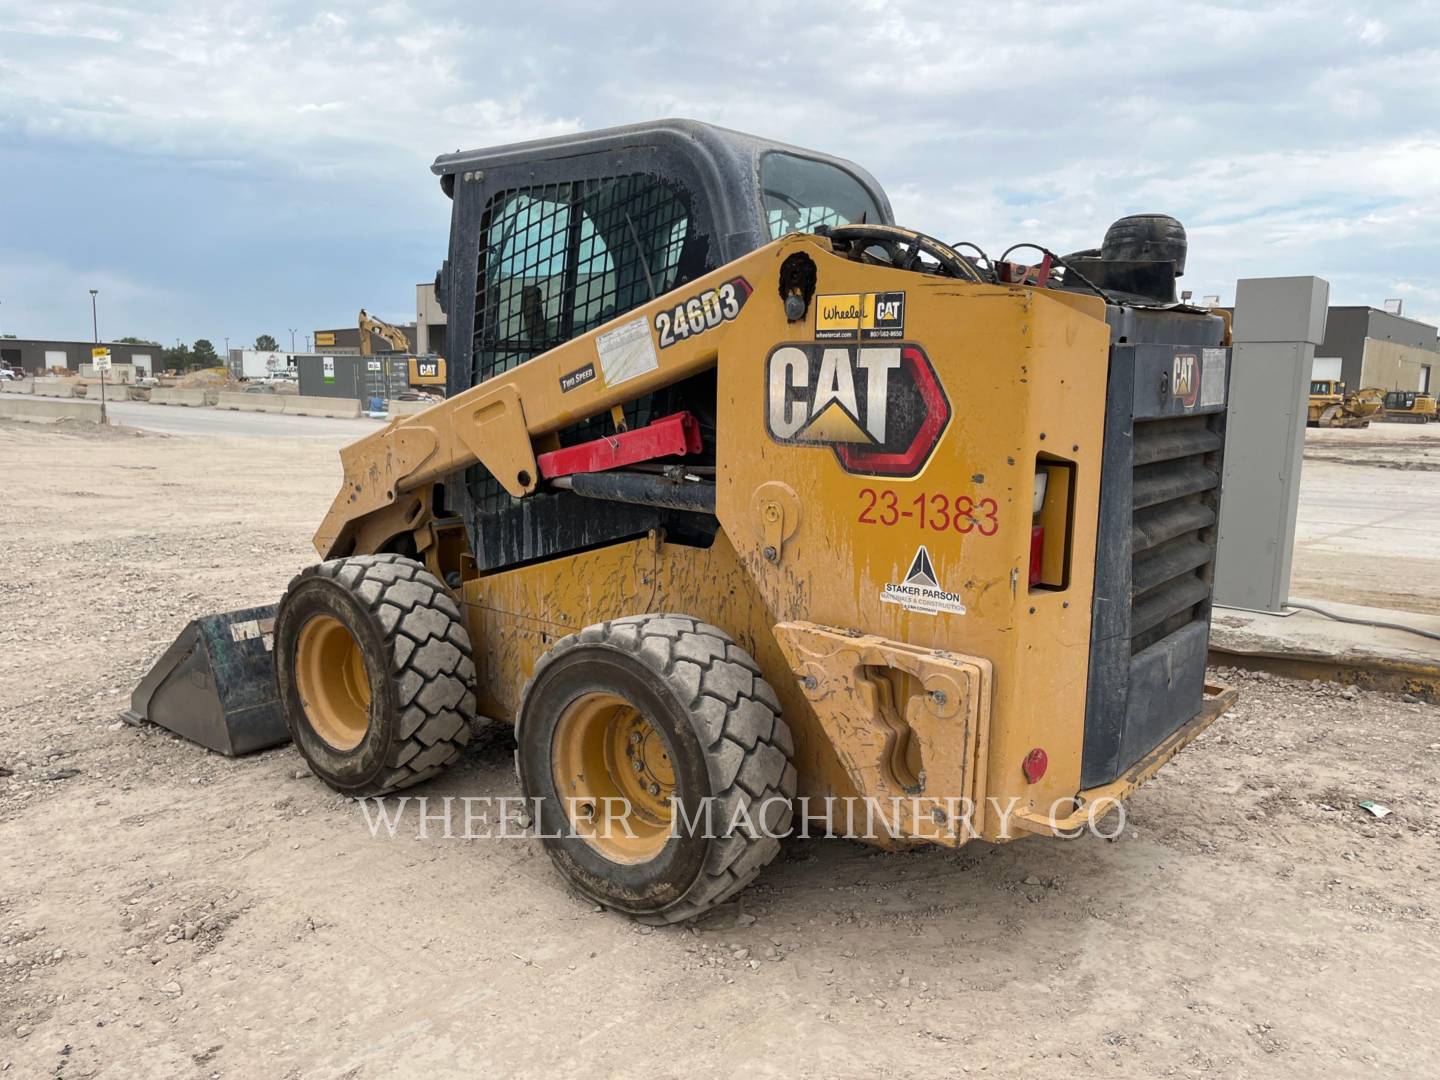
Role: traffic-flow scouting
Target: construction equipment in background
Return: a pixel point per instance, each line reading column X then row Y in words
column 1368, row 404
column 743, row 492
column 391, row 335
column 1324, row 393
column 1409, row 406
column 427, row 372
column 1330, row 406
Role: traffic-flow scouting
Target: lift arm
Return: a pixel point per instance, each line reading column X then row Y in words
column 495, row 422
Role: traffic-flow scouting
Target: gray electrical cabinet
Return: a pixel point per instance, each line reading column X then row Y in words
column 1278, row 323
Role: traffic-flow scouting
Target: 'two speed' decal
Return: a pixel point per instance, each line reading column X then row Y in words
column 879, row 407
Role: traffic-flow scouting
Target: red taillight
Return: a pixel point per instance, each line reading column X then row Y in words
column 1034, row 765
column 1037, row 553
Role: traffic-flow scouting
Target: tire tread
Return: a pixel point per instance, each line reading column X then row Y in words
column 430, row 663
column 735, row 714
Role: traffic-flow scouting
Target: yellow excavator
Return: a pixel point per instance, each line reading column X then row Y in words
column 1409, row 406
column 427, row 372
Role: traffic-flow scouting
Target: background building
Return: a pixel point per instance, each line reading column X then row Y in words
column 429, row 321
column 1367, row 347
column 36, row 355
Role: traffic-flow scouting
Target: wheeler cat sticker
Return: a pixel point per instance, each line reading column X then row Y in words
column 920, row 591
column 860, row 316
column 702, row 312
column 880, row 408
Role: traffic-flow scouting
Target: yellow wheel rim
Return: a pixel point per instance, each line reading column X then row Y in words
column 615, row 778
column 334, row 688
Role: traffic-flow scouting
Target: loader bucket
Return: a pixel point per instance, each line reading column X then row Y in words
column 216, row 684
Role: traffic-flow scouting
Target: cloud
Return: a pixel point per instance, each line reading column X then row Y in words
column 57, row 277
column 278, row 151
column 198, row 79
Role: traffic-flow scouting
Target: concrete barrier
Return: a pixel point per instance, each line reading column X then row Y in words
column 250, row 402
column 113, row 391
column 409, row 408
column 54, row 389
column 336, row 408
column 119, row 373
column 48, row 411
column 174, row 395
column 16, row 386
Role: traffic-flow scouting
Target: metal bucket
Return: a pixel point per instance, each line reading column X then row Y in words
column 216, row 684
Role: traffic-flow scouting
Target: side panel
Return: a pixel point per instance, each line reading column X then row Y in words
column 866, row 532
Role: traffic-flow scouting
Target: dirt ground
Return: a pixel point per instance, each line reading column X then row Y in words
column 168, row 913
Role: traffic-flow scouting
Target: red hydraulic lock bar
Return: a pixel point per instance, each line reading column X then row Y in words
column 678, row 433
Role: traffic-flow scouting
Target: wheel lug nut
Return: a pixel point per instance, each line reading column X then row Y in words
column 654, row 789
column 635, row 738
column 637, row 765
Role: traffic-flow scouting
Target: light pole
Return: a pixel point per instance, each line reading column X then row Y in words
column 293, row 331
column 95, row 330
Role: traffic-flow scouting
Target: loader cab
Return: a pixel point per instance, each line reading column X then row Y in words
column 553, row 238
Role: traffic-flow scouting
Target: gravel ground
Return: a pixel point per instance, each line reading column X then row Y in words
column 168, row 913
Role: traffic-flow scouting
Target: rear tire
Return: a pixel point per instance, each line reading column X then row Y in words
column 664, row 712
column 374, row 672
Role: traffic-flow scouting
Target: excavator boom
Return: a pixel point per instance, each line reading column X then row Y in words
column 393, row 335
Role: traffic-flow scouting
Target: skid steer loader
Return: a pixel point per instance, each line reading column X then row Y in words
column 744, row 499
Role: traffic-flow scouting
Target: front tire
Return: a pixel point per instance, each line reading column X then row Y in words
column 630, row 721
column 374, row 673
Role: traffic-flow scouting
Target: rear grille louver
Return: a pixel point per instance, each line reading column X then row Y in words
column 1160, row 490
column 1176, row 478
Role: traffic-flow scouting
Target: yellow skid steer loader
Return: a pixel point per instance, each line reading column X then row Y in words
column 749, row 508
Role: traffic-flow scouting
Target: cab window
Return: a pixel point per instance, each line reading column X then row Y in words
column 800, row 194
column 558, row 260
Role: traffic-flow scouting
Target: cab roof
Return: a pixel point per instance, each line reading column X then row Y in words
column 733, row 155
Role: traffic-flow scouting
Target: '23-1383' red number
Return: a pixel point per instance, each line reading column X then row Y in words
column 935, row 512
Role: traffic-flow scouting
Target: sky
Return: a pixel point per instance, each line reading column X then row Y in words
column 222, row 170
